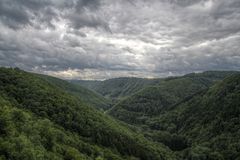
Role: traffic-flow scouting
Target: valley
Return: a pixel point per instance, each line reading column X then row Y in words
column 195, row 116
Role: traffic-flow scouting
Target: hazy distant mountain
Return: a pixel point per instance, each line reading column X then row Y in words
column 116, row 88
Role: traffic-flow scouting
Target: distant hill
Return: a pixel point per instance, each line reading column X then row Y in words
column 88, row 96
column 163, row 95
column 116, row 88
column 119, row 88
column 39, row 120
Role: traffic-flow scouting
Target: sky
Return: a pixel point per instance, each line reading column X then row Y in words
column 102, row 39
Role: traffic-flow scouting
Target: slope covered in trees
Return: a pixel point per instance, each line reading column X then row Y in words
column 38, row 101
column 119, row 88
column 116, row 88
column 25, row 136
column 205, row 127
column 195, row 117
column 164, row 95
column 90, row 97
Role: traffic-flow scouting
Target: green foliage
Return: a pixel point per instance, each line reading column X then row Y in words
column 117, row 88
column 173, row 141
column 153, row 100
column 192, row 117
column 195, row 115
column 210, row 121
column 90, row 133
column 32, row 138
column 90, row 97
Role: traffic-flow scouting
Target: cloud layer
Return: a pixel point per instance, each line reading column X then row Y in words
column 99, row 39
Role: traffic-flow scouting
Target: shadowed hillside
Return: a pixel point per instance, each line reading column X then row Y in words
column 164, row 95
column 202, row 126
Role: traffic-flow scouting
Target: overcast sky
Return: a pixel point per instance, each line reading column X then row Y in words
column 101, row 39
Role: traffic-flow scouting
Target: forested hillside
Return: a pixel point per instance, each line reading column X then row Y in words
column 119, row 88
column 203, row 125
column 81, row 130
column 25, row 136
column 164, row 95
column 192, row 117
column 116, row 88
column 90, row 97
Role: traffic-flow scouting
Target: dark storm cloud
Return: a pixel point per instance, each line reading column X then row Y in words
column 20, row 13
column 16, row 13
column 97, row 39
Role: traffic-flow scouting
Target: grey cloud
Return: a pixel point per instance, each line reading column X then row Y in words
column 218, row 55
column 77, row 32
column 225, row 9
column 41, row 13
column 91, row 4
column 13, row 17
column 70, row 52
column 183, row 3
column 104, row 38
column 85, row 14
column 17, row 13
column 78, row 21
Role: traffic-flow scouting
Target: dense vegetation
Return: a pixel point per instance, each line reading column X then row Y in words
column 193, row 117
column 201, row 121
column 164, row 95
column 90, row 97
column 35, row 96
column 24, row 136
column 209, row 123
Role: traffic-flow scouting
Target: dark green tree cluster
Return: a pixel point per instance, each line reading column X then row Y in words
column 25, row 136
